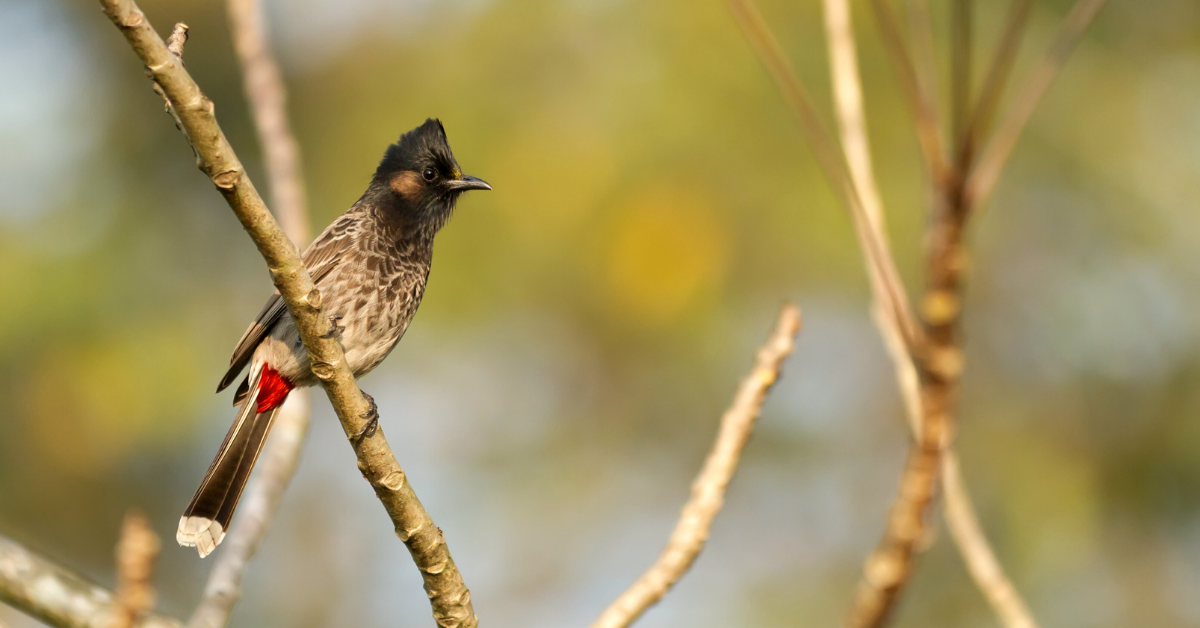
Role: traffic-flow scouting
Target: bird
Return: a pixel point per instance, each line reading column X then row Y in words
column 371, row 266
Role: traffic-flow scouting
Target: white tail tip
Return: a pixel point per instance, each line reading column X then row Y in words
column 200, row 532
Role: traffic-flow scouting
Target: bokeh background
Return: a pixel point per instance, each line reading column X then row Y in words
column 587, row 321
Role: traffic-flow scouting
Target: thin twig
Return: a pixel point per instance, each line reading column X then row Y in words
column 918, row 97
column 448, row 595
column 708, row 490
column 881, row 269
column 266, row 94
column 981, row 560
column 137, row 551
column 848, row 101
column 57, row 596
column 177, row 40
column 960, row 73
column 924, row 62
column 997, row 76
column 983, row 177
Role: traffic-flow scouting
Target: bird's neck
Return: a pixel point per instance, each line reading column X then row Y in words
column 405, row 228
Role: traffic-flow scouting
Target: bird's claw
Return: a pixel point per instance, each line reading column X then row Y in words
column 372, row 418
column 335, row 330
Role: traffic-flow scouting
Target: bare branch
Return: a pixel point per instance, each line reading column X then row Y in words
column 268, row 102
column 848, row 106
column 708, row 490
column 448, row 595
column 137, row 551
column 266, row 93
column 851, row 120
column 275, row 472
column 987, row 171
column 57, row 596
column 977, row 553
column 890, row 566
column 958, row 509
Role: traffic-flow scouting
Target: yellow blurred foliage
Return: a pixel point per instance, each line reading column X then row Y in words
column 91, row 406
column 561, row 174
column 667, row 248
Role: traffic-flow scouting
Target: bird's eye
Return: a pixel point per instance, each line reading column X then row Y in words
column 430, row 174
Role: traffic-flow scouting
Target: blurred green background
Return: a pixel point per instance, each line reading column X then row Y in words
column 587, row 321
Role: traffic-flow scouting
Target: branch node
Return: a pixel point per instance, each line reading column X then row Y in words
column 313, row 299
column 884, row 571
column 325, row 371
column 940, row 307
column 946, row 363
column 226, row 180
column 136, row 554
column 178, row 38
column 393, row 481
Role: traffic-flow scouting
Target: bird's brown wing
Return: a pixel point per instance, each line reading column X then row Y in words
column 322, row 256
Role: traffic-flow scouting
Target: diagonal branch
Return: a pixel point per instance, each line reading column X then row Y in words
column 57, row 596
column 448, row 595
column 890, row 566
column 959, row 512
column 267, row 95
column 977, row 553
column 983, row 178
column 708, row 490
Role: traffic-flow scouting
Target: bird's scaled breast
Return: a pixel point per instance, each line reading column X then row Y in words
column 378, row 313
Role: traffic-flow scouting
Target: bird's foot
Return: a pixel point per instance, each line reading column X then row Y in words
column 372, row 418
column 335, row 330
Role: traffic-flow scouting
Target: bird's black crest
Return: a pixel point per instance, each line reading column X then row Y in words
column 423, row 146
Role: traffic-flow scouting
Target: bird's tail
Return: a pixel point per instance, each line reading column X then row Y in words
column 207, row 517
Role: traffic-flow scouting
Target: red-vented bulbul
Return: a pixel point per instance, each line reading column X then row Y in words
column 370, row 265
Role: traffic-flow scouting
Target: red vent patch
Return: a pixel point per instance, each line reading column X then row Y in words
column 273, row 388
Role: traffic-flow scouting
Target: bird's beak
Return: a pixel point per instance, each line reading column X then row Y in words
column 468, row 182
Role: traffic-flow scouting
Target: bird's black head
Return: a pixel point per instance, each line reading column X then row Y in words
column 421, row 176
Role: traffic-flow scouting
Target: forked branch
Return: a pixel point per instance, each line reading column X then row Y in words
column 57, row 596
column 928, row 364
